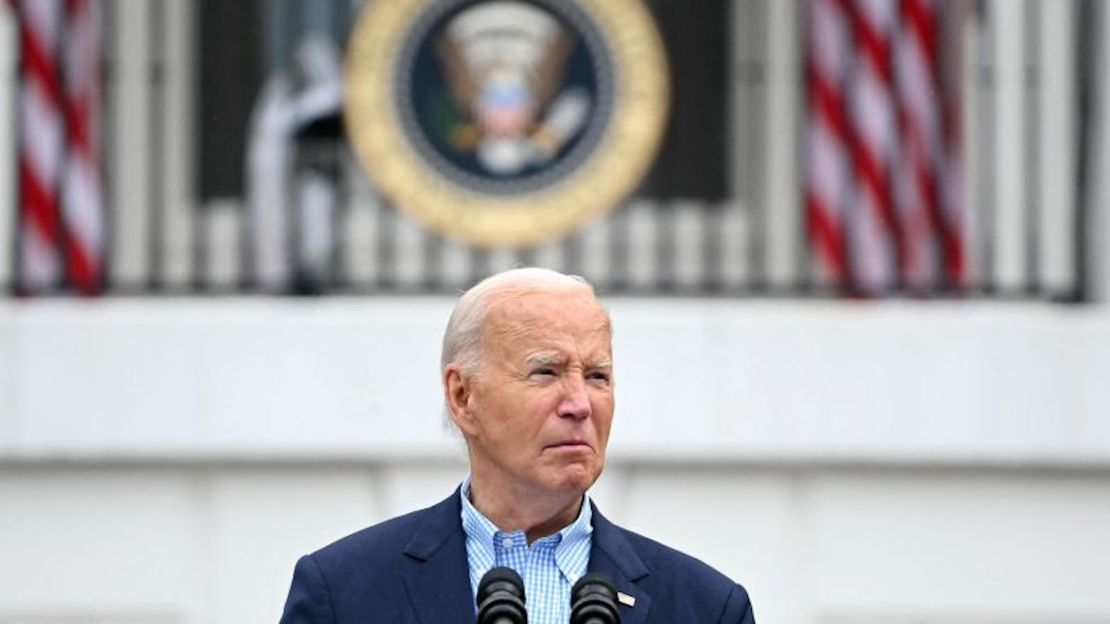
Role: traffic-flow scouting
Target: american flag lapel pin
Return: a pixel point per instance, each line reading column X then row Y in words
column 626, row 600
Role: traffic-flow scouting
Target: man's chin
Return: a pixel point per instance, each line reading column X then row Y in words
column 574, row 479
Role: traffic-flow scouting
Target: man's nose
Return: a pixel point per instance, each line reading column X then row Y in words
column 576, row 400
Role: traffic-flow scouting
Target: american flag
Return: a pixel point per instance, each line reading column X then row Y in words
column 60, row 199
column 883, row 187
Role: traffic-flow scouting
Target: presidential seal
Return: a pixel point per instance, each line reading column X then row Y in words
column 505, row 122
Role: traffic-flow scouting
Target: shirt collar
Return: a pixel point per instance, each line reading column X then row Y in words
column 571, row 539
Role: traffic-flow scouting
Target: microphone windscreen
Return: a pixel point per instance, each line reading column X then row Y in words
column 497, row 579
column 593, row 600
column 500, row 598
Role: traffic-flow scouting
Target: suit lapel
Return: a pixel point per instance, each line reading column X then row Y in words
column 436, row 573
column 613, row 556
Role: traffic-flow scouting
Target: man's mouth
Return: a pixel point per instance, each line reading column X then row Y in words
column 571, row 445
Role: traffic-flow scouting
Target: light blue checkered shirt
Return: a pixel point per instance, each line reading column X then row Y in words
column 549, row 567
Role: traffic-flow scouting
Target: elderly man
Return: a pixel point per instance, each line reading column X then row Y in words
column 528, row 380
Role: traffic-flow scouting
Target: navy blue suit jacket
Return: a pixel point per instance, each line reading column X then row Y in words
column 413, row 570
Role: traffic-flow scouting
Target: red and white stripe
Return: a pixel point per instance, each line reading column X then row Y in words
column 827, row 152
column 60, row 194
column 877, row 240
column 895, row 146
column 82, row 199
column 42, row 142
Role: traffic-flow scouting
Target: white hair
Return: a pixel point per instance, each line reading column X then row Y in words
column 462, row 341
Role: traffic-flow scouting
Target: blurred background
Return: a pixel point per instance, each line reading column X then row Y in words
column 859, row 289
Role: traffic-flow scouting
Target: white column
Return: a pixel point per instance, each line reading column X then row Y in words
column 643, row 235
column 222, row 219
column 551, row 254
column 360, row 226
column 409, row 239
column 594, row 244
column 1010, row 166
column 180, row 199
column 1058, row 148
column 129, row 102
column 503, row 259
column 977, row 171
column 454, row 265
column 689, row 241
column 783, row 226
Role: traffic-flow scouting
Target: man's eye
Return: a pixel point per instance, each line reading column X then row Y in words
column 599, row 377
column 543, row 371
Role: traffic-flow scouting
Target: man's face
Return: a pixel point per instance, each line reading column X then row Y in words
column 541, row 405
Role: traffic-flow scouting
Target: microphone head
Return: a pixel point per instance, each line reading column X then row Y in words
column 593, row 600
column 500, row 597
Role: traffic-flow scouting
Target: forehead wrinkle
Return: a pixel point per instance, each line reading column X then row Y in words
column 501, row 328
column 511, row 322
column 547, row 356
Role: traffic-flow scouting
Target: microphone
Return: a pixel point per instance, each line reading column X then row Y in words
column 593, row 600
column 501, row 598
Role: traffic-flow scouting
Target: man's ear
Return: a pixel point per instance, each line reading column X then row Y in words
column 457, row 389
